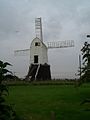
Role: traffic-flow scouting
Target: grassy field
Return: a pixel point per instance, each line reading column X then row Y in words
column 38, row 102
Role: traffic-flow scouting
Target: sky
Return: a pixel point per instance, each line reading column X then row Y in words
column 61, row 20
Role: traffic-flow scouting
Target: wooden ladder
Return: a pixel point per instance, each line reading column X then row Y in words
column 37, row 71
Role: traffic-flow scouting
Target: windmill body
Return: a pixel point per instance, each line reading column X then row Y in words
column 38, row 52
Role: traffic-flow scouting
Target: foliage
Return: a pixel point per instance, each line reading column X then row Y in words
column 86, row 61
column 6, row 111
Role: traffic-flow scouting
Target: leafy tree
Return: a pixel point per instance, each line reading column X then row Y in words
column 6, row 111
column 86, row 67
column 86, row 62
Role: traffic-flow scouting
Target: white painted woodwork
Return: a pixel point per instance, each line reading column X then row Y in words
column 38, row 48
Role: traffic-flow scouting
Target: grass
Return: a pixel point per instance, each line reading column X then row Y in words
column 37, row 102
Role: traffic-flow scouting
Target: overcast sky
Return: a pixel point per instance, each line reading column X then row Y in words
column 61, row 19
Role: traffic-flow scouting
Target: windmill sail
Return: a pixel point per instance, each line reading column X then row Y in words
column 24, row 52
column 60, row 44
column 38, row 28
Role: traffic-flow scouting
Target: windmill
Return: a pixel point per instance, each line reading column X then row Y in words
column 39, row 68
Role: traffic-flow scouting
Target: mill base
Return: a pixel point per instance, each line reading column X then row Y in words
column 39, row 72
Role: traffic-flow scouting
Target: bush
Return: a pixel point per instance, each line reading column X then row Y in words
column 6, row 111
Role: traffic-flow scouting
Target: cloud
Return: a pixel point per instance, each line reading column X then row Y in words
column 62, row 20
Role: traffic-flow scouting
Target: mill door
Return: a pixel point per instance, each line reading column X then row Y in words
column 36, row 59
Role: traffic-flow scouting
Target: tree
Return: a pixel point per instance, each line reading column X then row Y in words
column 86, row 62
column 6, row 111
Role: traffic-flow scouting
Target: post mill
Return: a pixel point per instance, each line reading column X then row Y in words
column 39, row 68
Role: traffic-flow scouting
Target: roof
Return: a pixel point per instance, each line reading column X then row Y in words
column 39, row 40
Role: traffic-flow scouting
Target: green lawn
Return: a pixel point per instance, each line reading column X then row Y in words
column 37, row 102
